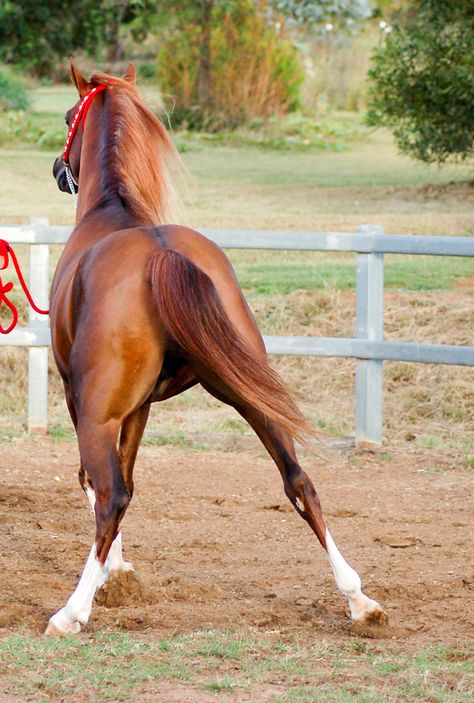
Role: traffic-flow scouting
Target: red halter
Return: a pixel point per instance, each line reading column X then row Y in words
column 81, row 112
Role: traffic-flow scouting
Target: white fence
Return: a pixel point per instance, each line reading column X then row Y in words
column 368, row 347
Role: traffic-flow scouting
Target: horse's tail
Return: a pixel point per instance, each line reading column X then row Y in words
column 191, row 310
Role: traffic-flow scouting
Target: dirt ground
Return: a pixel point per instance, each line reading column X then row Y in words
column 215, row 544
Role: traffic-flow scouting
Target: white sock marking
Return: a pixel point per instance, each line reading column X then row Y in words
column 348, row 582
column 79, row 605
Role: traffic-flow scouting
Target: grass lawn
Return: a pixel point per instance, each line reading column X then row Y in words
column 282, row 272
column 248, row 186
column 207, row 666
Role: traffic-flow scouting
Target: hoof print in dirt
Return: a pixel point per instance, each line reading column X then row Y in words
column 122, row 588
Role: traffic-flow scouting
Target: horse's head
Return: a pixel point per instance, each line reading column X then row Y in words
column 66, row 167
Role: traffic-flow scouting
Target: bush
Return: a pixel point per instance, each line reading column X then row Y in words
column 13, row 95
column 147, row 71
column 422, row 81
column 253, row 72
column 27, row 128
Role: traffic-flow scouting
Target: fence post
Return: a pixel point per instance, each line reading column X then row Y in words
column 38, row 356
column 369, row 325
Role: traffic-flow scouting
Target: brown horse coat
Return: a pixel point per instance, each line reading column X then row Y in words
column 141, row 311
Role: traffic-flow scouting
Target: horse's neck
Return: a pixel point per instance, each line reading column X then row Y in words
column 94, row 189
column 99, row 191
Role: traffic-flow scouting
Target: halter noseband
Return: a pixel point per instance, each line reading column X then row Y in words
column 81, row 113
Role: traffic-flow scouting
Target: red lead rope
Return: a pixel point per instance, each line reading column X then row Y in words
column 5, row 251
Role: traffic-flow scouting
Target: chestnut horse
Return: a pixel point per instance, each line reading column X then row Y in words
column 141, row 311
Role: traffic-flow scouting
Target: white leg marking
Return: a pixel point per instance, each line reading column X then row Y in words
column 348, row 582
column 91, row 496
column 78, row 608
column 115, row 559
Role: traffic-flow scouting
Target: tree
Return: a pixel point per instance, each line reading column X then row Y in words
column 34, row 35
column 422, row 81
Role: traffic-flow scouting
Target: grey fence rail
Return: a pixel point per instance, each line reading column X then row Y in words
column 368, row 346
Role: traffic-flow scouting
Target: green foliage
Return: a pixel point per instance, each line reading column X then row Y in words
column 294, row 132
column 29, row 128
column 147, row 71
column 35, row 35
column 422, row 81
column 13, row 94
column 250, row 71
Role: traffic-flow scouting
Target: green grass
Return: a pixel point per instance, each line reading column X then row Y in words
column 359, row 166
column 248, row 186
column 62, row 433
column 53, row 99
column 284, row 272
column 173, row 439
column 7, row 434
column 233, row 425
column 113, row 666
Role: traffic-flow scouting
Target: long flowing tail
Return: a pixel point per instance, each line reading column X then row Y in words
column 191, row 310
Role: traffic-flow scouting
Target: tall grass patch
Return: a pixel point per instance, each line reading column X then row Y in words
column 336, row 66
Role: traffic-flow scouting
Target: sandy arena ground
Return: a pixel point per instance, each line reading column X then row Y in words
column 216, row 545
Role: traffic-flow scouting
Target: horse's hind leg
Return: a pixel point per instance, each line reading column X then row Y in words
column 300, row 490
column 100, row 459
column 302, row 494
column 115, row 559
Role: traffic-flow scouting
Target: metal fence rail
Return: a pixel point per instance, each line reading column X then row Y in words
column 368, row 347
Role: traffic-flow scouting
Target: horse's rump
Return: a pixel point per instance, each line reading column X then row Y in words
column 194, row 316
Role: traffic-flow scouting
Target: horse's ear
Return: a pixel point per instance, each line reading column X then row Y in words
column 130, row 74
column 78, row 79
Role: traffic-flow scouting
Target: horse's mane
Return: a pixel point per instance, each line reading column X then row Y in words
column 137, row 153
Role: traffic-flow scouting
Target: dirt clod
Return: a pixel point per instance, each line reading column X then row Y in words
column 121, row 589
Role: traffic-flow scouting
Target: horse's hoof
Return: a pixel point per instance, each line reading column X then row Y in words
column 58, row 625
column 125, row 566
column 53, row 630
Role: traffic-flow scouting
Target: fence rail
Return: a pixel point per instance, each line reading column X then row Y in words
column 368, row 347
